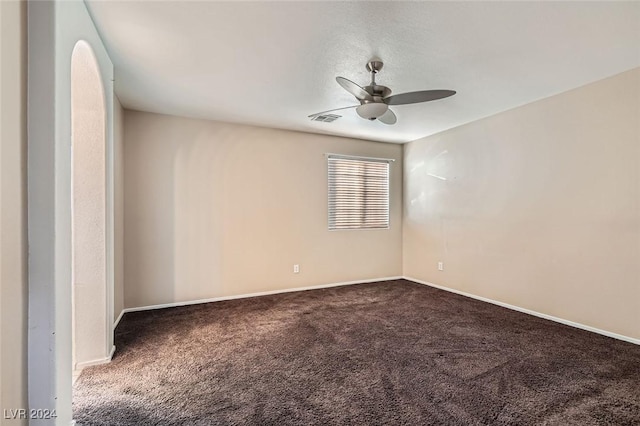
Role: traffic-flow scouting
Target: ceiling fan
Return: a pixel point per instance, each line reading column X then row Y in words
column 375, row 99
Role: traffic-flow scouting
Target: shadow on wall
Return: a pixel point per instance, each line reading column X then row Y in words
column 199, row 194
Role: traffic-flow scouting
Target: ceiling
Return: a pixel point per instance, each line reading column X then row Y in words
column 272, row 64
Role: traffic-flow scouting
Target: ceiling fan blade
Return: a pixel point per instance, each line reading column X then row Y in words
column 331, row 110
column 416, row 97
column 388, row 117
column 354, row 89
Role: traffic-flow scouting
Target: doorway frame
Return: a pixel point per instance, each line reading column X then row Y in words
column 54, row 27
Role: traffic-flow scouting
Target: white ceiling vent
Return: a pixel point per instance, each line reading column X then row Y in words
column 327, row 118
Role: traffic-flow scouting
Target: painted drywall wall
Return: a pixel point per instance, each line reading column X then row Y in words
column 13, row 245
column 537, row 207
column 54, row 28
column 118, row 165
column 215, row 209
column 88, row 117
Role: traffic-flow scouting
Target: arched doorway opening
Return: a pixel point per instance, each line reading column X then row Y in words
column 91, row 319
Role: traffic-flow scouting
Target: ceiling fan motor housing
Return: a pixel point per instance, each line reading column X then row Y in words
column 377, row 91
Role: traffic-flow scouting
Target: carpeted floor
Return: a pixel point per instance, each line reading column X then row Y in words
column 394, row 352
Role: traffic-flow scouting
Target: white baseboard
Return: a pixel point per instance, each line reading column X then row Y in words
column 80, row 365
column 530, row 312
column 244, row 296
column 117, row 321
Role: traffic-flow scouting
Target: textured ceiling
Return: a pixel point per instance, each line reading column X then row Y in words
column 273, row 63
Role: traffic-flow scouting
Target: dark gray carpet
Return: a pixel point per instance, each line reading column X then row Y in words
column 395, row 353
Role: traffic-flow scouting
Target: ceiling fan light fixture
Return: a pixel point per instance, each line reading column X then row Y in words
column 372, row 110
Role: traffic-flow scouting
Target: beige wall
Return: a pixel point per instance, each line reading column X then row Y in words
column 118, row 166
column 538, row 207
column 215, row 209
column 88, row 118
column 13, row 254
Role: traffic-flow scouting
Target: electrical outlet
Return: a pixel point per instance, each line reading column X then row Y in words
column 440, row 266
column 296, row 269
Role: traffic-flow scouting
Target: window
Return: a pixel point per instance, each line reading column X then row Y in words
column 358, row 192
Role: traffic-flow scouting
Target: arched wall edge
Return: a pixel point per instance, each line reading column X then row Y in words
column 54, row 29
column 108, row 349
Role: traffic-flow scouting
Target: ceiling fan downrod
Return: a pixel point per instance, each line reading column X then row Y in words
column 377, row 91
column 374, row 66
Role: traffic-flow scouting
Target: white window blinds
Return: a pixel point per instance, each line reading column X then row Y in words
column 358, row 193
